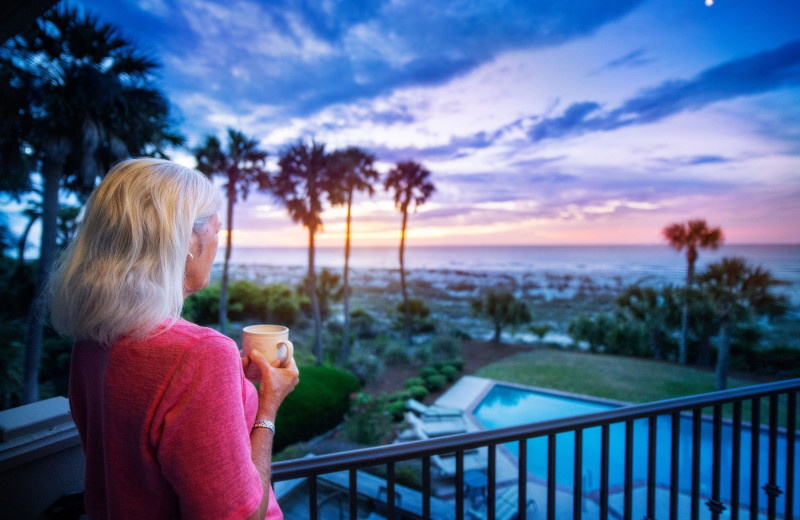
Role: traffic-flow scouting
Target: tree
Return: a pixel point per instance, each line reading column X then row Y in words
column 82, row 99
column 353, row 171
column 410, row 182
column 503, row 309
column 242, row 166
column 738, row 292
column 654, row 309
column 691, row 235
column 329, row 289
column 301, row 183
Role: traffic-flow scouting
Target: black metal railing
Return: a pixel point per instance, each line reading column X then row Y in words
column 679, row 457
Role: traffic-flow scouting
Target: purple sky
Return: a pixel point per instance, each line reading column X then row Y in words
column 544, row 122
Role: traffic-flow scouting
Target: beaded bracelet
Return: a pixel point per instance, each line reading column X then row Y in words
column 263, row 423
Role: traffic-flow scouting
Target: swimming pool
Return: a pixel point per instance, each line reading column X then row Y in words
column 506, row 405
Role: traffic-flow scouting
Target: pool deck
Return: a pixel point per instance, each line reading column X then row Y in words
column 468, row 392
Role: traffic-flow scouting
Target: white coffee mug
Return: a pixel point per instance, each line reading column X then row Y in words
column 272, row 341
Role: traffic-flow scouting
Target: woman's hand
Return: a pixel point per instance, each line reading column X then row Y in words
column 275, row 381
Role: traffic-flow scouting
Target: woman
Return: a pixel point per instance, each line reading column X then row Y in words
column 164, row 411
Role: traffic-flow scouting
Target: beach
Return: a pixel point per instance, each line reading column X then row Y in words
column 557, row 282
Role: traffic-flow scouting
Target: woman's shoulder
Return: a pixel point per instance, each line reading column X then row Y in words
column 183, row 334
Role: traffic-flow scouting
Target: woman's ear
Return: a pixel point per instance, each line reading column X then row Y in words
column 194, row 246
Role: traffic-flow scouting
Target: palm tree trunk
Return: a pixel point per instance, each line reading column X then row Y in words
column 403, row 277
column 312, row 292
column 682, row 350
column 721, row 376
column 223, row 290
column 52, row 168
column 23, row 240
column 345, row 353
column 498, row 330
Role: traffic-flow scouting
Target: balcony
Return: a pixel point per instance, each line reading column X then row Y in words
column 729, row 454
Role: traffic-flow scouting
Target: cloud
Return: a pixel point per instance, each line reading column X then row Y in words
column 634, row 58
column 755, row 74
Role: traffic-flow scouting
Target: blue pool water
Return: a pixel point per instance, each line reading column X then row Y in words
column 509, row 406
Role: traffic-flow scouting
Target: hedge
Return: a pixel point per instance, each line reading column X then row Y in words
column 317, row 404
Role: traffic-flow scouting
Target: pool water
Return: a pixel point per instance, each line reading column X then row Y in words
column 511, row 406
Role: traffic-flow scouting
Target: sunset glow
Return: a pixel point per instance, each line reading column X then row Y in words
column 579, row 123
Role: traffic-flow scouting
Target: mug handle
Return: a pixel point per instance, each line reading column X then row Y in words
column 289, row 350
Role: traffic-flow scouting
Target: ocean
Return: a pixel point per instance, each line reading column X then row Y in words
column 651, row 264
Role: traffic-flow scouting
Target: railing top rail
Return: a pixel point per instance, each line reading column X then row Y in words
column 412, row 450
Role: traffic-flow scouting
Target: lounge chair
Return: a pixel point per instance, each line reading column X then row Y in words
column 426, row 427
column 506, row 506
column 433, row 412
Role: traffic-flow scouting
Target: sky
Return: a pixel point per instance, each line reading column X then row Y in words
column 542, row 122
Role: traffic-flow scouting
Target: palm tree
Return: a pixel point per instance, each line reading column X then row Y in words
column 654, row 309
column 738, row 292
column 242, row 166
column 410, row 183
column 690, row 236
column 353, row 171
column 83, row 100
column 301, row 182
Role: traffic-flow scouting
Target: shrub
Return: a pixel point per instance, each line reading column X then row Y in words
column 418, row 392
column 317, row 404
column 396, row 353
column 368, row 421
column 435, row 382
column 445, row 347
column 414, row 381
column 202, row 307
column 458, row 363
column 450, row 372
column 426, row 372
column 396, row 409
column 365, row 366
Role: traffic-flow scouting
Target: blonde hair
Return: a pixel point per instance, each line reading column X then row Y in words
column 123, row 273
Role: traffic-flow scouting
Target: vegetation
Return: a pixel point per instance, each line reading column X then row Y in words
column 410, row 183
column 75, row 98
column 738, row 292
column 353, row 171
column 503, row 309
column 302, row 182
column 317, row 404
column 690, row 236
column 242, row 167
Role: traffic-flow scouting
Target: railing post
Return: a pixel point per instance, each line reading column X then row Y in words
column 715, row 505
column 755, row 433
column 652, row 447
column 628, row 493
column 551, row 478
column 736, row 448
column 674, row 478
column 791, row 423
column 604, row 472
column 577, row 477
column 771, row 487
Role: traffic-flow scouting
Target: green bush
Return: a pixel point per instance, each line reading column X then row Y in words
column 368, row 421
column 450, row 372
column 396, row 409
column 418, row 392
column 396, row 353
column 435, row 382
column 414, row 381
column 317, row 404
column 426, row 372
column 202, row 307
column 365, row 366
column 445, row 347
column 458, row 363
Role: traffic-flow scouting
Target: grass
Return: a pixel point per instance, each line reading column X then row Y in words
column 614, row 377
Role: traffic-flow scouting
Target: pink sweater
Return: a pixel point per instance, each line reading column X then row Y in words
column 165, row 425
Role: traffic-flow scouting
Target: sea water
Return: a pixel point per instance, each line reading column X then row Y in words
column 656, row 264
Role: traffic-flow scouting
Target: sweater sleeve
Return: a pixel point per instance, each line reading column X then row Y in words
column 203, row 442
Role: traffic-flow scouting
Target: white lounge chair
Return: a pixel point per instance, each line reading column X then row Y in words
column 445, row 425
column 506, row 506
